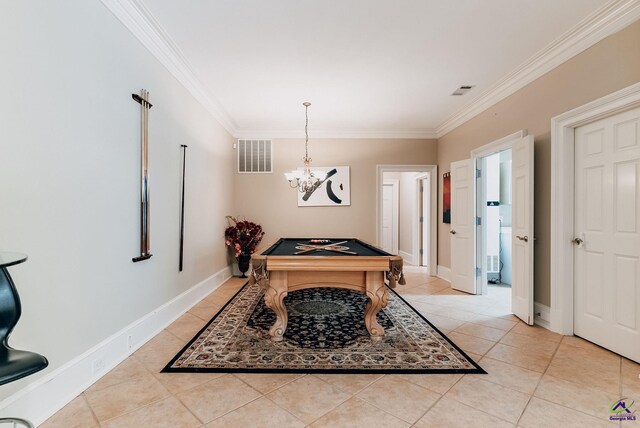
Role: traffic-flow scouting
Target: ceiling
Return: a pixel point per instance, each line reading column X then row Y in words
column 369, row 67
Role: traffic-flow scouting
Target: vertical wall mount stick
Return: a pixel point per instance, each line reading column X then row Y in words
column 184, row 164
column 145, row 105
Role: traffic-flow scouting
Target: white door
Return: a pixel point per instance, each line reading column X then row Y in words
column 462, row 262
column 425, row 220
column 607, row 232
column 390, row 215
column 522, row 229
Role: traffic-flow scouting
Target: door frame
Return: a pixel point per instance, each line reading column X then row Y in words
column 423, row 226
column 562, row 196
column 416, row 227
column 433, row 212
column 479, row 232
column 395, row 238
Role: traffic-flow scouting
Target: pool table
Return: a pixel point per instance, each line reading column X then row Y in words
column 353, row 265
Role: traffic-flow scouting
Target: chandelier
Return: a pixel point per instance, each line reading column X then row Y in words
column 305, row 179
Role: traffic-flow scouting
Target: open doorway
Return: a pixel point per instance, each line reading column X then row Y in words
column 469, row 225
column 406, row 213
column 495, row 208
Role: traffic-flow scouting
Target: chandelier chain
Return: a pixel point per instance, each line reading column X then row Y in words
column 306, row 132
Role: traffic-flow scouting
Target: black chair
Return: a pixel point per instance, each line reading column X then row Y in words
column 14, row 364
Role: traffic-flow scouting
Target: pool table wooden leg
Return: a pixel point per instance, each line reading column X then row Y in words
column 274, row 299
column 378, row 298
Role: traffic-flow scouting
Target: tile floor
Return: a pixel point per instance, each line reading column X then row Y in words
column 535, row 379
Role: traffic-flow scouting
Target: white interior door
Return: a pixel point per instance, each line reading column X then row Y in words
column 607, row 232
column 390, row 215
column 522, row 229
column 426, row 220
column 462, row 214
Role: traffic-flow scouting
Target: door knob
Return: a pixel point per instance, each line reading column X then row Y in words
column 523, row 238
column 453, row 232
column 577, row 241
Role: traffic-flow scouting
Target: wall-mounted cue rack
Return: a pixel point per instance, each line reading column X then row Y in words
column 145, row 105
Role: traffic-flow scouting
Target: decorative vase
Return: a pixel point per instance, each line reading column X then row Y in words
column 243, row 263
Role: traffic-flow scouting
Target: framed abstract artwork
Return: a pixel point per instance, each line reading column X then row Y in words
column 446, row 197
column 335, row 190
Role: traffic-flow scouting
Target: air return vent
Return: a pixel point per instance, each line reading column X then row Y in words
column 254, row 156
column 462, row 90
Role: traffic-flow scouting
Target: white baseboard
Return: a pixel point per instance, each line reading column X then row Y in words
column 44, row 397
column 444, row 273
column 408, row 258
column 542, row 315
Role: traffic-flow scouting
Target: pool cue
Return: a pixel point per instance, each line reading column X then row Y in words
column 319, row 248
column 184, row 162
column 335, row 250
column 145, row 105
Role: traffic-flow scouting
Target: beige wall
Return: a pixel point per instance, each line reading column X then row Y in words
column 268, row 200
column 606, row 67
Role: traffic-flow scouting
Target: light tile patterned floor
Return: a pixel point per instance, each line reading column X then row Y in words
column 535, row 379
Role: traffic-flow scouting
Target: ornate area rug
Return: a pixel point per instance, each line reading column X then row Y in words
column 326, row 334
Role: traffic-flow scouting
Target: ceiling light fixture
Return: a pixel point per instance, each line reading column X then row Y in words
column 305, row 179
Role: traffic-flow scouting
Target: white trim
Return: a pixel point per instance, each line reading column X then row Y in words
column 498, row 145
column 444, row 273
column 480, row 210
column 562, row 196
column 417, row 229
column 607, row 20
column 139, row 20
column 395, row 237
column 433, row 223
column 408, row 257
column 427, row 133
column 542, row 315
column 41, row 399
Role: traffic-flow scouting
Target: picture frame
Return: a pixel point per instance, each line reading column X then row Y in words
column 334, row 191
column 446, row 198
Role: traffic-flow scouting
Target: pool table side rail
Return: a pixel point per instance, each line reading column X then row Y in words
column 324, row 263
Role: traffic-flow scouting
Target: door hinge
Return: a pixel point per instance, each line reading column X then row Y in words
column 421, row 219
column 421, row 189
column 478, row 221
column 478, row 173
column 421, row 251
column 478, row 272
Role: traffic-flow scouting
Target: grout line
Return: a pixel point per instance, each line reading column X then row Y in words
column 191, row 411
column 233, row 410
column 150, row 373
column 275, row 389
column 95, row 417
column 349, row 392
column 286, row 410
column 137, row 408
column 538, row 383
column 569, row 408
column 120, row 382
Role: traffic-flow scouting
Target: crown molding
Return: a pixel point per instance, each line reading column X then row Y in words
column 139, row 20
column 330, row 133
column 609, row 19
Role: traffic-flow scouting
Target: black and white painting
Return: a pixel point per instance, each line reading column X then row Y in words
column 335, row 190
